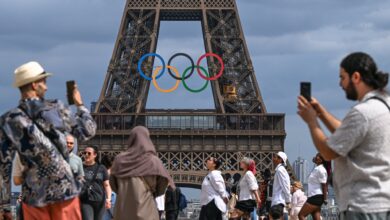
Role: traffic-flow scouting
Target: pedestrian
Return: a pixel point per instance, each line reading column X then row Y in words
column 138, row 177
column 359, row 144
column 107, row 161
column 96, row 195
column 248, row 196
column 37, row 130
column 266, row 193
column 213, row 196
column 160, row 202
column 74, row 161
column 317, row 190
column 172, row 200
column 297, row 200
column 281, row 193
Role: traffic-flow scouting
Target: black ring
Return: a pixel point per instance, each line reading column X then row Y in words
column 184, row 55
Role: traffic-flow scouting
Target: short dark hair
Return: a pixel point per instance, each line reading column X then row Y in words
column 366, row 66
column 25, row 88
column 107, row 160
column 96, row 150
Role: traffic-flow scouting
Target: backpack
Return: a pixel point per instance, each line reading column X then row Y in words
column 182, row 202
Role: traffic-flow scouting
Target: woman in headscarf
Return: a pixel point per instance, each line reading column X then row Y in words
column 138, row 177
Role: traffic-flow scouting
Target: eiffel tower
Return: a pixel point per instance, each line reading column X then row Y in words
column 238, row 126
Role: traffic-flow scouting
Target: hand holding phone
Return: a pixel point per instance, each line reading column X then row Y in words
column 73, row 94
column 70, row 87
column 306, row 90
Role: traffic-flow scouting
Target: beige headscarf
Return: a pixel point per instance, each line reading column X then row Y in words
column 140, row 159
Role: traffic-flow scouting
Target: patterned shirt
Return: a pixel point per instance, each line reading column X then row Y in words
column 41, row 145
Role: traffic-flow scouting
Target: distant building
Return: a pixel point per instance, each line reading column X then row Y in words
column 300, row 167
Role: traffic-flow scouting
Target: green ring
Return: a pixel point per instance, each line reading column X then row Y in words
column 194, row 90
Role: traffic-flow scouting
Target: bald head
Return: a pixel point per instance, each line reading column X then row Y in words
column 70, row 142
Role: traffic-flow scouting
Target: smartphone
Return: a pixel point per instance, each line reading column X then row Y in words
column 306, row 90
column 70, row 86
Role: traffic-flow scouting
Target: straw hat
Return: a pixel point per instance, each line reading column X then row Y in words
column 28, row 73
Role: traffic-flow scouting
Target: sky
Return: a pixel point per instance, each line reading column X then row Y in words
column 289, row 41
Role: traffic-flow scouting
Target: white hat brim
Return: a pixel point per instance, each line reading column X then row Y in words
column 30, row 80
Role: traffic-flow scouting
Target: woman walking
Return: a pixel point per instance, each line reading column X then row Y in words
column 213, row 197
column 298, row 200
column 318, row 190
column 138, row 177
column 94, row 202
column 248, row 196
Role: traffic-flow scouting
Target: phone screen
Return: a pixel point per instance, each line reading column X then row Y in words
column 70, row 86
column 306, row 90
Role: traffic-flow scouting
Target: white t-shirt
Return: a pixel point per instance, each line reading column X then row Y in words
column 248, row 184
column 298, row 199
column 361, row 177
column 317, row 177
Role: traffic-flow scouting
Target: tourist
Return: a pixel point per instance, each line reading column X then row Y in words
column 172, row 200
column 317, row 190
column 281, row 193
column 213, row 196
column 74, row 161
column 265, row 189
column 107, row 161
column 37, row 130
column 297, row 200
column 96, row 195
column 248, row 196
column 359, row 144
column 138, row 177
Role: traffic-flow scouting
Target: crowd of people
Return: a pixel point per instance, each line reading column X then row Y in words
column 37, row 140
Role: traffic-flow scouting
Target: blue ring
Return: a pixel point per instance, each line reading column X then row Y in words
column 142, row 60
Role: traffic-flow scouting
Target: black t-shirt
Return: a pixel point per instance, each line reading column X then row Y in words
column 102, row 174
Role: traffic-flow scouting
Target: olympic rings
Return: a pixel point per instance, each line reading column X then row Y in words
column 184, row 55
column 206, row 75
column 158, row 87
column 219, row 60
column 195, row 90
column 142, row 60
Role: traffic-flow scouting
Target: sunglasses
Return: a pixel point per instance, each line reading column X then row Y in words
column 69, row 142
column 87, row 153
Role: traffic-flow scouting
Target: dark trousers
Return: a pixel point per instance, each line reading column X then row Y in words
column 92, row 210
column 171, row 215
column 210, row 212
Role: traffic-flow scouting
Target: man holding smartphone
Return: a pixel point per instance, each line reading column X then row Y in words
column 360, row 143
column 36, row 131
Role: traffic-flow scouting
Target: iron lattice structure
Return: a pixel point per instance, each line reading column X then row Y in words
column 238, row 126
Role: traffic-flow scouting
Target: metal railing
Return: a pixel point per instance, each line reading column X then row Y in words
column 191, row 121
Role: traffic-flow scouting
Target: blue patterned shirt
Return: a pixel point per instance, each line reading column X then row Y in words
column 41, row 145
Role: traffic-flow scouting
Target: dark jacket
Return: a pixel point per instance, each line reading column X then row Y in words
column 172, row 198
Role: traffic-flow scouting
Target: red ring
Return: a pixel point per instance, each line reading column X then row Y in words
column 219, row 60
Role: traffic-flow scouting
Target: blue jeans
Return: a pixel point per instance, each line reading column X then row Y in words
column 254, row 214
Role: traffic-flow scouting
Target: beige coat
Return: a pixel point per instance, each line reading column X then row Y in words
column 135, row 199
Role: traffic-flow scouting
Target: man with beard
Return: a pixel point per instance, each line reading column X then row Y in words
column 360, row 143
